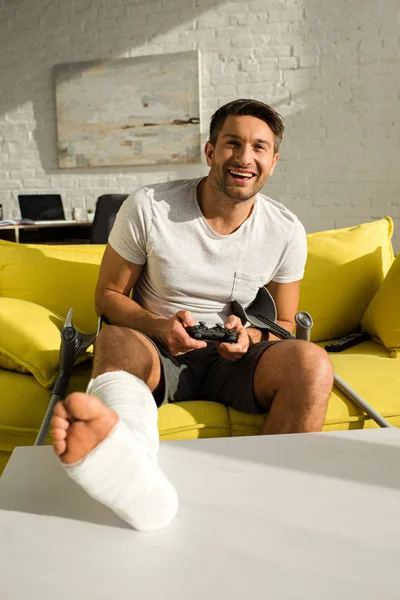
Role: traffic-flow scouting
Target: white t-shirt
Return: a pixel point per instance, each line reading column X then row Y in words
column 190, row 266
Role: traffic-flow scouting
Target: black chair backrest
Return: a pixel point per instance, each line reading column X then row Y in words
column 107, row 207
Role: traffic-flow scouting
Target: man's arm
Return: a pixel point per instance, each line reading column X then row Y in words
column 117, row 277
column 286, row 298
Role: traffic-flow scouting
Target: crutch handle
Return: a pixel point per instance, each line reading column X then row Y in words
column 304, row 323
column 73, row 343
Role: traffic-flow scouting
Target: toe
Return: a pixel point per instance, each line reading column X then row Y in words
column 79, row 425
column 58, row 434
column 60, row 410
column 84, row 407
column 60, row 447
column 59, row 422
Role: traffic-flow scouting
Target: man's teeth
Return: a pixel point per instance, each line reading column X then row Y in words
column 241, row 174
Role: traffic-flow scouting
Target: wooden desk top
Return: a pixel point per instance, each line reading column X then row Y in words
column 49, row 224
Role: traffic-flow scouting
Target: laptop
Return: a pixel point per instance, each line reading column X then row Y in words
column 42, row 209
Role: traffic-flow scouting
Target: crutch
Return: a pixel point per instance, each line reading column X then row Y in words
column 262, row 314
column 73, row 343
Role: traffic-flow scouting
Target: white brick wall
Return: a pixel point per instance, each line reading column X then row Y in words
column 330, row 68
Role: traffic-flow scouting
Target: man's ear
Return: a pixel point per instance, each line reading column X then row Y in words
column 209, row 152
column 275, row 160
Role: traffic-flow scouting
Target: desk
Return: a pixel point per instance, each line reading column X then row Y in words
column 54, row 233
column 307, row 516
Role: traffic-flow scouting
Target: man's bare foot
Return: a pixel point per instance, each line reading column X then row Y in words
column 79, row 424
column 121, row 473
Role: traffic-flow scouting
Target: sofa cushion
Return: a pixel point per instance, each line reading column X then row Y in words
column 56, row 277
column 30, row 339
column 8, row 363
column 344, row 270
column 23, row 403
column 193, row 419
column 366, row 367
column 382, row 317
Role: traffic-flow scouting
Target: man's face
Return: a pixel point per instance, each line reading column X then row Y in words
column 243, row 157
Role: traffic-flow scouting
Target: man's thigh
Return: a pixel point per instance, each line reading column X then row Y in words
column 232, row 383
column 182, row 375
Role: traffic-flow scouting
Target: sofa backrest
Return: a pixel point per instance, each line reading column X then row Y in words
column 56, row 277
column 345, row 268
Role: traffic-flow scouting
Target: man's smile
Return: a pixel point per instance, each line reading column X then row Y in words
column 241, row 175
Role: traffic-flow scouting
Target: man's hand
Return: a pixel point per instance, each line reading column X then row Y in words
column 173, row 336
column 234, row 351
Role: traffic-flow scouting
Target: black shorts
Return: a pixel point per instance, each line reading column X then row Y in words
column 204, row 375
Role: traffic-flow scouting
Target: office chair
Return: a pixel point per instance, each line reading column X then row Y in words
column 107, row 207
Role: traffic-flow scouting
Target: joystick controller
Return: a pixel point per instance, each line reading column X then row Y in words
column 218, row 333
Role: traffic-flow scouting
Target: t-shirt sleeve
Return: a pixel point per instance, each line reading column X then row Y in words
column 132, row 226
column 295, row 257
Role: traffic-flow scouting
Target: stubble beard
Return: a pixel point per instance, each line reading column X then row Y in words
column 218, row 183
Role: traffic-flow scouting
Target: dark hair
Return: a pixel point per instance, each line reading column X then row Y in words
column 252, row 108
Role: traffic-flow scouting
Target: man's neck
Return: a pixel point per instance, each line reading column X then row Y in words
column 223, row 214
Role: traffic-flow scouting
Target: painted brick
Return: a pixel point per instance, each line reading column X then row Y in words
column 330, row 69
column 286, row 15
column 289, row 63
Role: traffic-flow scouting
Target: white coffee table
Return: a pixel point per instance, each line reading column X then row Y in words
column 295, row 516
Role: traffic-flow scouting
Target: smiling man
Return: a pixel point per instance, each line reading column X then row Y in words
column 188, row 249
column 244, row 156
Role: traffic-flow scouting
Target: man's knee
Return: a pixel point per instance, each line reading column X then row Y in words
column 114, row 337
column 111, row 335
column 124, row 346
column 310, row 362
column 293, row 363
column 121, row 348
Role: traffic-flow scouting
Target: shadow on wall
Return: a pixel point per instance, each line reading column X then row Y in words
column 79, row 32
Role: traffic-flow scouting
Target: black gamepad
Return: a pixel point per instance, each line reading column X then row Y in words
column 218, row 333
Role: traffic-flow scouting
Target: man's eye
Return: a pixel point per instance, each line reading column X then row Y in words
column 260, row 147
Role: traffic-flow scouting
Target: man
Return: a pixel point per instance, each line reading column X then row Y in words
column 188, row 248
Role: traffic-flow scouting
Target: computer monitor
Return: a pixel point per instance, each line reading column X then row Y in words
column 41, row 207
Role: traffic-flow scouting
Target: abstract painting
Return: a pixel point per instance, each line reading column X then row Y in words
column 130, row 111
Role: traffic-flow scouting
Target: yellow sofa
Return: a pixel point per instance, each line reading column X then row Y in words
column 350, row 281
